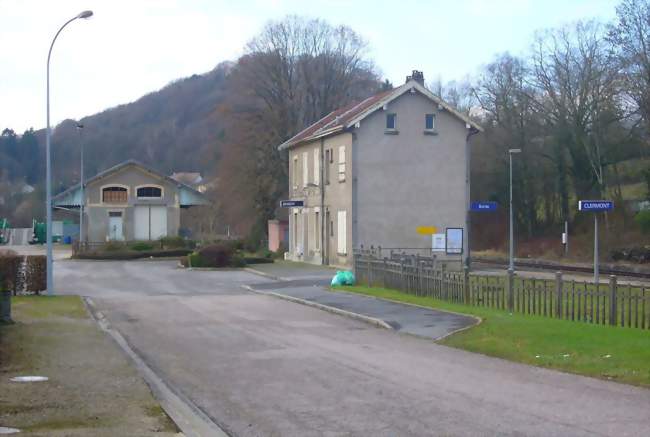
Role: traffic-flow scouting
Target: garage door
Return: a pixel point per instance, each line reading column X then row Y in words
column 158, row 222
column 150, row 222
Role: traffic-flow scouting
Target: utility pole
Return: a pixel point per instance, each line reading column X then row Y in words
column 511, row 265
column 82, row 187
column 596, row 262
column 48, row 161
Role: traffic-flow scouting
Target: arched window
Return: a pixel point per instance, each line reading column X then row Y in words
column 149, row 192
column 114, row 195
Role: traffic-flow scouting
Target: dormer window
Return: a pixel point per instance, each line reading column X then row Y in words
column 114, row 195
column 149, row 192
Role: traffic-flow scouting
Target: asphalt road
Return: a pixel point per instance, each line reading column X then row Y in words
column 261, row 366
column 407, row 319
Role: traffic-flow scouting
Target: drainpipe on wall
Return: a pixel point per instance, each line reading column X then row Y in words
column 468, row 173
column 322, row 201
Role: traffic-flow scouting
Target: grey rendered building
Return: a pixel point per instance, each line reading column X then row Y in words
column 377, row 172
column 130, row 201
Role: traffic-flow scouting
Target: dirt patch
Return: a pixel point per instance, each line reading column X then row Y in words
column 92, row 387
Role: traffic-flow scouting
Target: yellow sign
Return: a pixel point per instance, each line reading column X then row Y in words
column 426, row 230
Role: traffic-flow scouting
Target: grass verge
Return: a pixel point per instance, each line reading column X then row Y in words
column 613, row 353
column 92, row 389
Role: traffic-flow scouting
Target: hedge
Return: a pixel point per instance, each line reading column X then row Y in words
column 36, row 273
column 13, row 278
column 10, row 263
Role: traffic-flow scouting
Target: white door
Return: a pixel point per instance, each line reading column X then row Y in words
column 150, row 222
column 141, row 222
column 158, row 215
column 115, row 230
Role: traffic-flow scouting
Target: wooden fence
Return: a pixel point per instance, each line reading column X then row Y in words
column 583, row 301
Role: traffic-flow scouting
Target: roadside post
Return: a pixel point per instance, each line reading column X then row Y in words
column 595, row 206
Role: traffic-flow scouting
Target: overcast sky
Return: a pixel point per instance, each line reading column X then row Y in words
column 132, row 47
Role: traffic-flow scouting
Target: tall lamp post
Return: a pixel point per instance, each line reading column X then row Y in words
column 80, row 128
column 511, row 265
column 48, row 162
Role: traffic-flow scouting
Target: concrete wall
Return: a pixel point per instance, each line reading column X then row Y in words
column 338, row 197
column 96, row 216
column 278, row 230
column 305, row 229
column 409, row 178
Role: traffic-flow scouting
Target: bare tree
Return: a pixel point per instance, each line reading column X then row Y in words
column 574, row 71
column 631, row 36
column 294, row 72
column 504, row 96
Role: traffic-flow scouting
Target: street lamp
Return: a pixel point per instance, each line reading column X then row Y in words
column 511, row 266
column 48, row 162
column 80, row 128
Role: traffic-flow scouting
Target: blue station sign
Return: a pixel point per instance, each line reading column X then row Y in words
column 595, row 205
column 483, row 206
column 291, row 203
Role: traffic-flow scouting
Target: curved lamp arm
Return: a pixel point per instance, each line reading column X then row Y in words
column 48, row 163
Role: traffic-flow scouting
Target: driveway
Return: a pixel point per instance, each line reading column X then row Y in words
column 258, row 365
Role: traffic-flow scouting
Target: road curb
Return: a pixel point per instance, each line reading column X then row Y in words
column 266, row 275
column 191, row 420
column 361, row 317
column 478, row 319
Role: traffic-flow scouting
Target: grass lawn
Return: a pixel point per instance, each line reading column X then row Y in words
column 92, row 389
column 619, row 354
column 42, row 307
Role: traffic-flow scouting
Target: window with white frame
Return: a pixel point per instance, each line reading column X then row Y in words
column 305, row 169
column 294, row 172
column 391, row 121
column 429, row 122
column 149, row 192
column 316, row 166
column 341, row 163
column 341, row 233
column 326, row 166
column 317, row 228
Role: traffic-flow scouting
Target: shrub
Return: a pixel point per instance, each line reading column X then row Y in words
column 258, row 260
column 176, row 242
column 216, row 255
column 238, row 261
column 35, row 273
column 193, row 260
column 141, row 246
column 265, row 253
column 643, row 220
column 113, row 246
column 10, row 278
column 281, row 250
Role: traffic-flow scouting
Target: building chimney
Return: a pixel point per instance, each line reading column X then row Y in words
column 417, row 76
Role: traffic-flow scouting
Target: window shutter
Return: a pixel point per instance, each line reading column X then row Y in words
column 341, row 163
column 317, row 166
column 305, row 169
column 341, row 232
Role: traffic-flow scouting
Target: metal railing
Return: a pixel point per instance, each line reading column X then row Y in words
column 583, row 301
